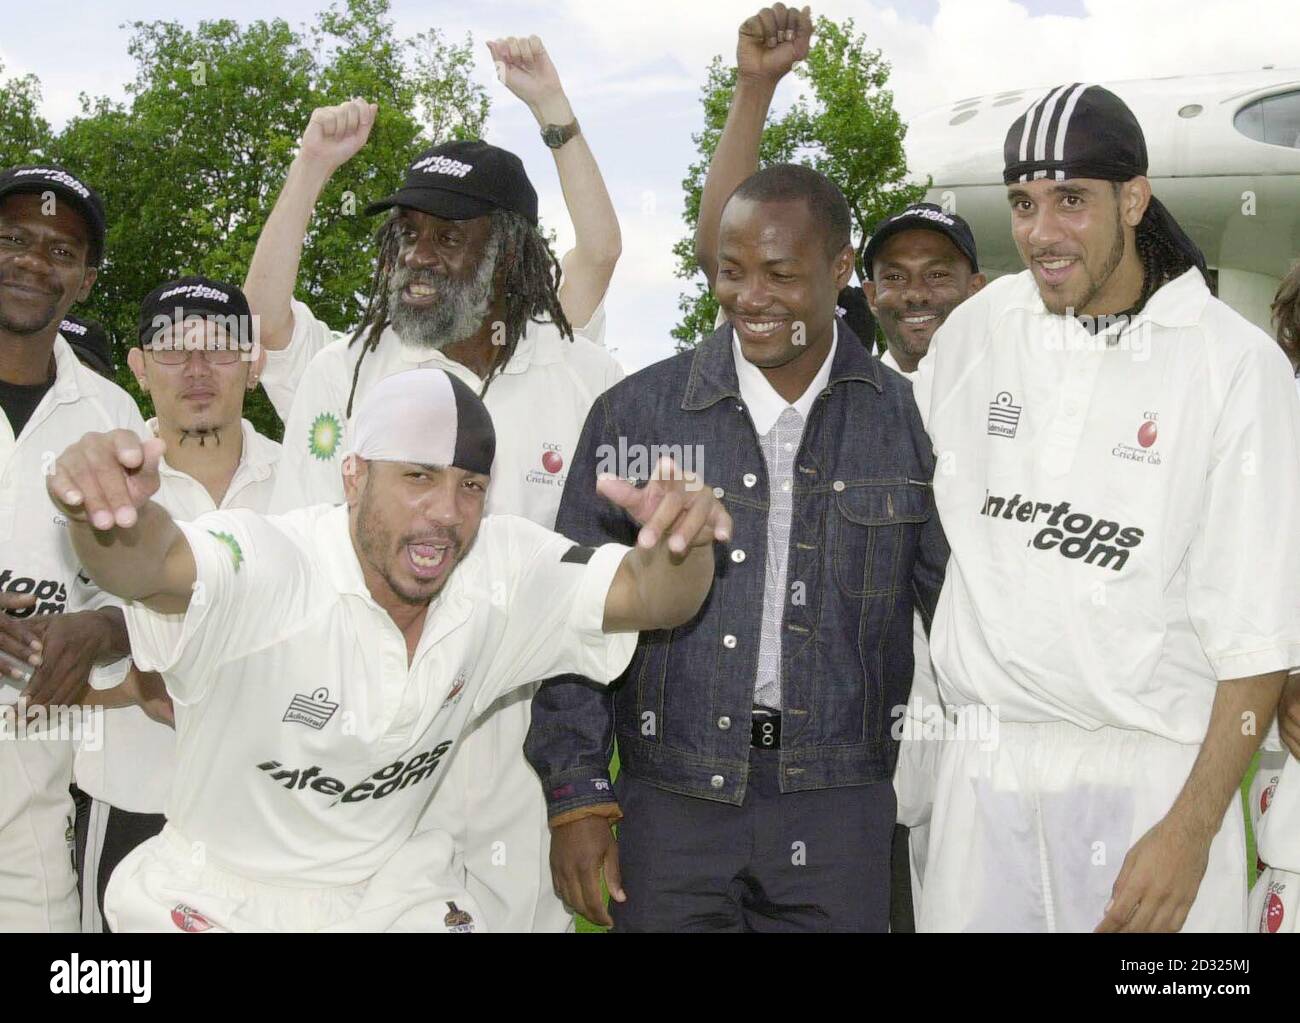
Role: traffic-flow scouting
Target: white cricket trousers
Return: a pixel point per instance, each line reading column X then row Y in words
column 38, row 885
column 168, row 885
column 1030, row 834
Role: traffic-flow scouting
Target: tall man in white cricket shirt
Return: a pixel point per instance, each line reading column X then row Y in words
column 52, row 232
column 196, row 358
column 325, row 662
column 1114, row 447
column 465, row 282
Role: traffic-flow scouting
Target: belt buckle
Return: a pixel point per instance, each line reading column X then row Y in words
column 765, row 729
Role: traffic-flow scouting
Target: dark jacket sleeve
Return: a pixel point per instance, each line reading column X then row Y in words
column 571, row 739
column 931, row 560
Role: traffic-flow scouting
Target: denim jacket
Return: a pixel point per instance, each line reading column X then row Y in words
column 866, row 549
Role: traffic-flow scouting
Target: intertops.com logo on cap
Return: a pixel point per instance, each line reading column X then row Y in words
column 442, row 165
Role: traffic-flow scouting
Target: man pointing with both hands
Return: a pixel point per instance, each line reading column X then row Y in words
column 324, row 663
column 465, row 282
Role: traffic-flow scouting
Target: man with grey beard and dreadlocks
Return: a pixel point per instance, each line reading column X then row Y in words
column 464, row 282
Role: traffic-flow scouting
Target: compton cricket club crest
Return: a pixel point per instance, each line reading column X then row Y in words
column 457, row 687
column 189, row 919
column 551, row 472
column 1270, row 921
column 457, row 921
column 314, row 711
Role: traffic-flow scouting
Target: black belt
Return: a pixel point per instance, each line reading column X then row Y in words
column 765, row 729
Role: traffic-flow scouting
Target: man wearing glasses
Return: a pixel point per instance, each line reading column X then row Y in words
column 196, row 359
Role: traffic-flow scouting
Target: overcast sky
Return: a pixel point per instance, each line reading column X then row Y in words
column 633, row 71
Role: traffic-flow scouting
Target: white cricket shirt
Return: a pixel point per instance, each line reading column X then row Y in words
column 538, row 405
column 36, row 556
column 306, row 747
column 36, row 553
column 1118, row 512
column 132, row 769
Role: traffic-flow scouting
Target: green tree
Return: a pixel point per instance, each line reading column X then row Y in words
column 847, row 129
column 191, row 163
column 24, row 134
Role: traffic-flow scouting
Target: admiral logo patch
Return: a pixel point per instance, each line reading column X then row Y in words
column 313, row 711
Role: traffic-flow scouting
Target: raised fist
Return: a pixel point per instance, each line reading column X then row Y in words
column 525, row 68
column 772, row 41
column 335, row 134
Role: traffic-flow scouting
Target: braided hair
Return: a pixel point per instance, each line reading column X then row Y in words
column 1162, row 261
column 527, row 273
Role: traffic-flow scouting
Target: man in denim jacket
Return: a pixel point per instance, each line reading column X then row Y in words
column 756, row 740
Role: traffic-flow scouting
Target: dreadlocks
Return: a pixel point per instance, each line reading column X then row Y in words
column 1286, row 314
column 527, row 275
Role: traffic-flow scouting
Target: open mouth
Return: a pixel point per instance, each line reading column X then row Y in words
column 920, row 319
column 427, row 560
column 419, row 293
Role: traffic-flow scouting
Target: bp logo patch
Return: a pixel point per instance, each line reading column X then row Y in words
column 236, row 552
column 323, row 440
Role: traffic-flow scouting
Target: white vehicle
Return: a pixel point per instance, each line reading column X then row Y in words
column 1224, row 158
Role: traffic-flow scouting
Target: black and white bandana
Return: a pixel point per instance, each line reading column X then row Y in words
column 1085, row 131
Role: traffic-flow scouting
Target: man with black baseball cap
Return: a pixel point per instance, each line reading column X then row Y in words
column 918, row 266
column 1118, row 593
column 51, row 241
column 195, row 358
column 90, row 343
column 465, row 282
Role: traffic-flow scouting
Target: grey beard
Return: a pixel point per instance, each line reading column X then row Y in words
column 456, row 316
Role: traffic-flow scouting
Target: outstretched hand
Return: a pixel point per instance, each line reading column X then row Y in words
column 673, row 504
column 106, row 478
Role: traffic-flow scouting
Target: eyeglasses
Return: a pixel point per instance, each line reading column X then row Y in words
column 180, row 356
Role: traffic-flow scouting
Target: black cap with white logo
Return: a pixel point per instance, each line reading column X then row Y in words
column 923, row 216
column 90, row 343
column 464, row 180
column 195, row 296
column 40, row 178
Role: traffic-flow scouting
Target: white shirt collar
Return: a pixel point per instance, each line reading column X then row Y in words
column 765, row 405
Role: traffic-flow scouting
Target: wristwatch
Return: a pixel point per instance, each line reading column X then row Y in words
column 555, row 135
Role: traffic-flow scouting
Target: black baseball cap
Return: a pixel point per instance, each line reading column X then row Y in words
column 196, row 296
column 463, row 180
column 48, row 177
column 90, row 343
column 927, row 216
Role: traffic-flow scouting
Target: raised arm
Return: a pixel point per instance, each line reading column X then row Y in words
column 768, row 46
column 332, row 137
column 128, row 544
column 525, row 68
